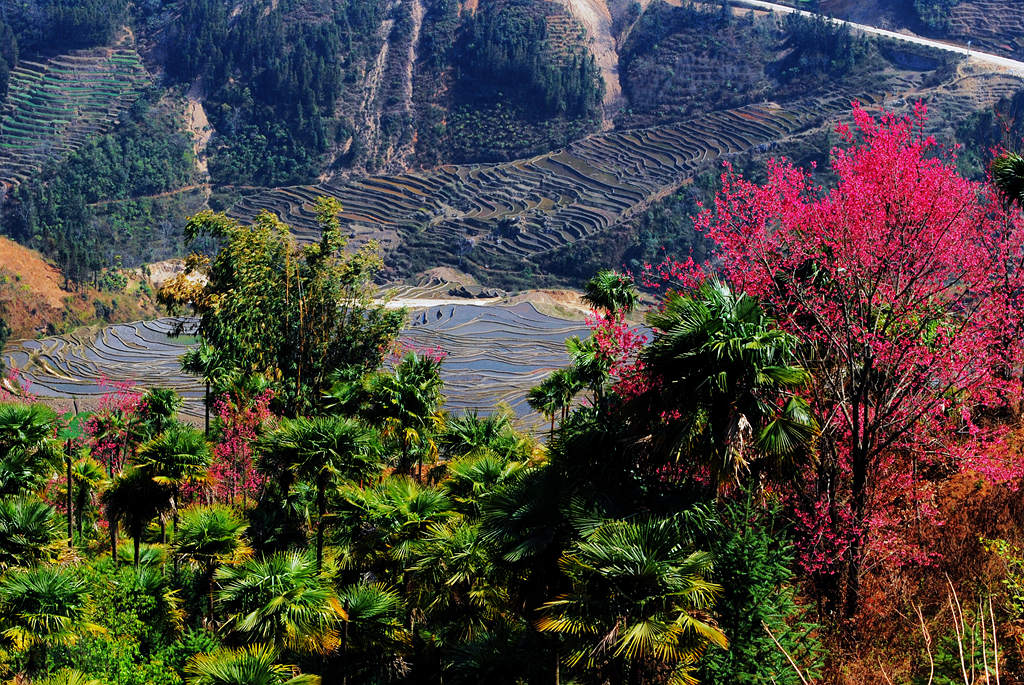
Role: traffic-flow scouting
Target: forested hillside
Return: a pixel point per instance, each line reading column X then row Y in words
column 272, row 94
column 120, row 119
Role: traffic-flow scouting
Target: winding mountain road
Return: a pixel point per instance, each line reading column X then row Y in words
column 1013, row 66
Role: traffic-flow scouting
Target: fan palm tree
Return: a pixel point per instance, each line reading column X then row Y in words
column 43, row 607
column 1008, row 176
column 406, row 403
column 521, row 517
column 612, row 292
column 150, row 556
column 555, row 395
column 388, row 519
column 590, row 369
column 732, row 375
column 178, row 456
column 88, row 477
column 544, row 399
column 373, row 629
column 639, row 601
column 207, row 363
column 28, row 531
column 474, row 477
column 471, row 433
column 134, row 499
column 250, row 665
column 29, row 449
column 162, row 405
column 459, row 588
column 209, row 537
column 25, row 427
column 323, row 450
column 283, row 601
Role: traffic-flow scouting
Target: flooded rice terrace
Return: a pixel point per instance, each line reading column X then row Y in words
column 494, row 354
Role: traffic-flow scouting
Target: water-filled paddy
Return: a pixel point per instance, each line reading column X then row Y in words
column 495, row 354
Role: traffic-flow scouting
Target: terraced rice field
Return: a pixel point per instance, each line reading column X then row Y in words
column 495, row 354
column 54, row 106
column 991, row 25
column 494, row 214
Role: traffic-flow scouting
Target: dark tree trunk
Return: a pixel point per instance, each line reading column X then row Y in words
column 137, row 542
column 70, row 504
column 859, row 465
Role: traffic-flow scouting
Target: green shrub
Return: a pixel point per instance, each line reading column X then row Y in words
column 753, row 563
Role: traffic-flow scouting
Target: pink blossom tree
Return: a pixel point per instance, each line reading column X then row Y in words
column 239, row 418
column 903, row 283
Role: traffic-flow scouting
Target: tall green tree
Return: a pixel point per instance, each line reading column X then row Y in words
column 406, row 404
column 293, row 314
column 133, row 500
column 374, row 639
column 88, row 478
column 757, row 608
column 161, row 410
column 204, row 361
column 555, row 394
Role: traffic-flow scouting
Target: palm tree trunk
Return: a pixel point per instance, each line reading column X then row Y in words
column 113, row 542
column 174, row 512
column 206, row 402
column 321, row 505
column 344, row 647
column 174, row 521
column 857, row 544
column 210, row 570
column 137, row 541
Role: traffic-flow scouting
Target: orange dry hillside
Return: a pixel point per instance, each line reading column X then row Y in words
column 33, row 302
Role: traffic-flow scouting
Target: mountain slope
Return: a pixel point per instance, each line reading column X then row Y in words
column 34, row 299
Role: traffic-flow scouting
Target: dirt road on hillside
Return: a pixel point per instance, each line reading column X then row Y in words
column 1013, row 66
